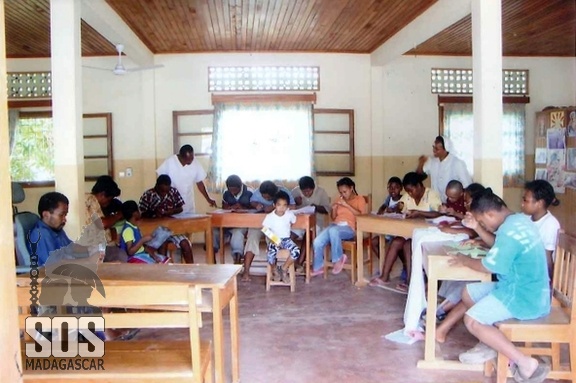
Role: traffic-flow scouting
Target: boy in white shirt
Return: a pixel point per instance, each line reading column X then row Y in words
column 279, row 221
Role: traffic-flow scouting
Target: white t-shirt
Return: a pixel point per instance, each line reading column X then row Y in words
column 442, row 172
column 183, row 178
column 548, row 227
column 280, row 225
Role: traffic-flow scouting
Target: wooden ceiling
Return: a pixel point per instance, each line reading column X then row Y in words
column 529, row 28
column 178, row 26
column 28, row 31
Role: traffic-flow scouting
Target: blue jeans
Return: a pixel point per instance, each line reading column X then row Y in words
column 333, row 235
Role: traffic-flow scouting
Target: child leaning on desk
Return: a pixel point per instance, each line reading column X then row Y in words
column 521, row 292
column 276, row 226
column 133, row 242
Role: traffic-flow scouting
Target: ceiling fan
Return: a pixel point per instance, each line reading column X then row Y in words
column 120, row 69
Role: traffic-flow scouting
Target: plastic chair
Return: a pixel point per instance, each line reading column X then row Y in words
column 18, row 196
column 23, row 223
column 557, row 327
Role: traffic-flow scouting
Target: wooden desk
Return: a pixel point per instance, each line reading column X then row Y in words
column 306, row 222
column 370, row 223
column 439, row 270
column 220, row 280
column 200, row 223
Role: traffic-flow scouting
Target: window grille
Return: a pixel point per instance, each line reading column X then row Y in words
column 263, row 78
column 23, row 85
column 459, row 81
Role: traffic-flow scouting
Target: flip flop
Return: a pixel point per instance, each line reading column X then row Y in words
column 129, row 335
column 538, row 376
column 386, row 286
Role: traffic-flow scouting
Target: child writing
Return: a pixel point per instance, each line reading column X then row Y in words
column 344, row 211
column 131, row 239
column 454, row 205
column 279, row 221
column 538, row 196
column 521, row 292
column 389, row 205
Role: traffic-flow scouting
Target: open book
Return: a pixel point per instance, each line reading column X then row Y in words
column 159, row 236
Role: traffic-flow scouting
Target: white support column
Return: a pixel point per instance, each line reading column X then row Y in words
column 487, row 106
column 67, row 108
column 10, row 351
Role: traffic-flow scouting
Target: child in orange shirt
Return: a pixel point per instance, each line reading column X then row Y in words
column 344, row 212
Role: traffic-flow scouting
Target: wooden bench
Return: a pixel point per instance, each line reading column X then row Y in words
column 136, row 361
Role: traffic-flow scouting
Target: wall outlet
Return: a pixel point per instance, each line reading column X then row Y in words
column 121, row 174
column 128, row 172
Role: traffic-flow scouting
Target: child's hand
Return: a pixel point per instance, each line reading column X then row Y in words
column 470, row 222
column 147, row 238
column 413, row 214
column 443, row 209
column 447, row 229
column 457, row 260
column 268, row 209
column 450, row 211
column 381, row 211
column 298, row 201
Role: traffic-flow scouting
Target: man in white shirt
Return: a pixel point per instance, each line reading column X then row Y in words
column 184, row 173
column 443, row 167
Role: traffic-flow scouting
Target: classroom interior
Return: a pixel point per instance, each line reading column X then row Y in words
column 396, row 117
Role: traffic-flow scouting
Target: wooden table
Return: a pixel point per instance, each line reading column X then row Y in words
column 306, row 222
column 220, row 280
column 438, row 270
column 189, row 225
column 376, row 224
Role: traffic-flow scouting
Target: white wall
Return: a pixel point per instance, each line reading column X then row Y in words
column 406, row 113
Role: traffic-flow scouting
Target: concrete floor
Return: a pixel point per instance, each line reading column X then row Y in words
column 327, row 331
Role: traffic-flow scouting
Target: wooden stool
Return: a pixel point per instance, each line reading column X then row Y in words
column 283, row 254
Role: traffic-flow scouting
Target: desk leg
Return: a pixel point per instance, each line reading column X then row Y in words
column 234, row 334
column 360, row 282
column 209, row 245
column 430, row 341
column 218, row 336
column 222, row 252
column 309, row 254
column 382, row 252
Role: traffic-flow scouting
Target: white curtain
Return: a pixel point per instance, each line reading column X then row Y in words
column 13, row 117
column 459, row 127
column 268, row 141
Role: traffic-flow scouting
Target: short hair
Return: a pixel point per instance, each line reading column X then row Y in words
column 440, row 140
column 542, row 190
column 268, row 187
column 107, row 185
column 49, row 202
column 163, row 179
column 129, row 208
column 306, row 182
column 233, row 181
column 455, row 185
column 185, row 149
column 413, row 179
column 347, row 181
column 474, row 189
column 281, row 195
column 487, row 201
column 395, row 180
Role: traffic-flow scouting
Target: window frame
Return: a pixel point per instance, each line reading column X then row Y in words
column 109, row 145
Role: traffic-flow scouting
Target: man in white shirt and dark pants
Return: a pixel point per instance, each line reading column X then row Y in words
column 184, row 173
column 443, row 167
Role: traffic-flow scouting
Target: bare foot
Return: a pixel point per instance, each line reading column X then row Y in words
column 246, row 277
column 528, row 369
column 440, row 336
column 375, row 282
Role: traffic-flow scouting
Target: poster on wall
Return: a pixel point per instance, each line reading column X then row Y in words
column 570, row 180
column 556, row 138
column 555, row 169
column 571, row 160
column 571, row 128
column 541, row 124
column 557, row 119
column 540, row 174
column 540, row 156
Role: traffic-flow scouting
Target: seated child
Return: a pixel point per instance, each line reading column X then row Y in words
column 279, row 222
column 236, row 197
column 521, row 292
column 538, row 196
column 390, row 205
column 344, row 211
column 418, row 202
column 132, row 241
column 454, row 205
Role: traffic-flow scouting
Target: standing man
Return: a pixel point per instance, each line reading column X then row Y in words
column 184, row 173
column 443, row 167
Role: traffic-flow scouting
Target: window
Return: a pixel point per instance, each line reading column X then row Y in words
column 268, row 141
column 454, row 81
column 458, row 125
column 263, row 78
column 32, row 147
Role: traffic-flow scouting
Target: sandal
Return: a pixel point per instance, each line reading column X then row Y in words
column 538, row 376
